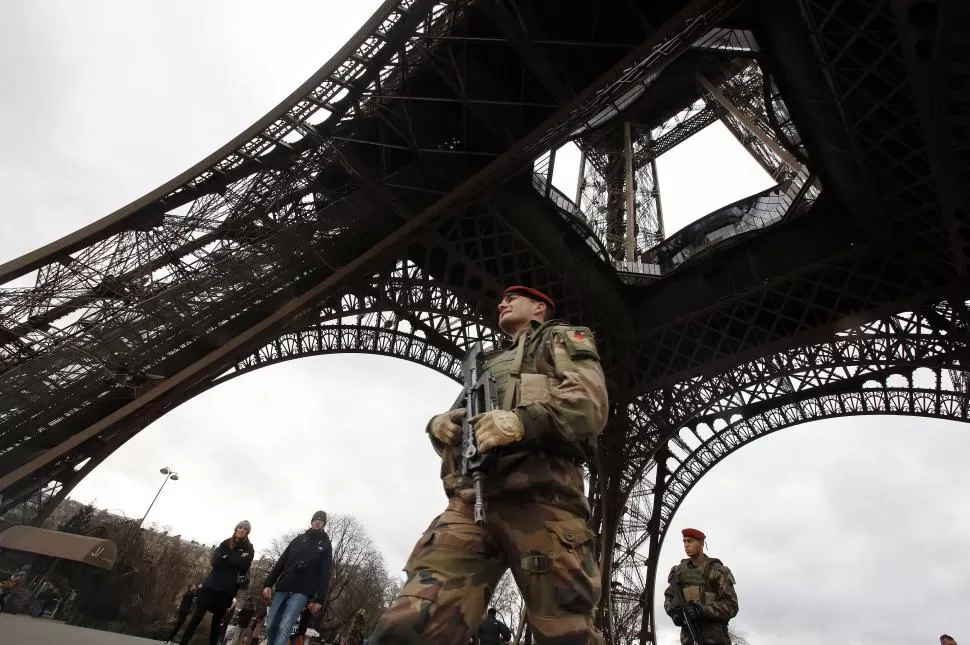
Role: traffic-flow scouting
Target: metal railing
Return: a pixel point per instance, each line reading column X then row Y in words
column 745, row 216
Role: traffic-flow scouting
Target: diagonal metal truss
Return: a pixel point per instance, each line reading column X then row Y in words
column 899, row 365
column 760, row 122
column 884, row 60
column 337, row 178
column 403, row 313
column 742, row 84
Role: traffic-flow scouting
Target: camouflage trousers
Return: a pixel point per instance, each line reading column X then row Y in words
column 456, row 564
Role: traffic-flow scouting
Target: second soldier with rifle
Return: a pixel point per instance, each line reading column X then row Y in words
column 533, row 410
column 700, row 595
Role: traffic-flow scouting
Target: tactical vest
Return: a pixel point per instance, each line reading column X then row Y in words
column 518, row 380
column 695, row 584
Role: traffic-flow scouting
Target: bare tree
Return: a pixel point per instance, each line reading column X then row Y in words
column 258, row 572
column 64, row 513
column 278, row 544
column 394, row 586
column 152, row 570
column 359, row 578
column 738, row 638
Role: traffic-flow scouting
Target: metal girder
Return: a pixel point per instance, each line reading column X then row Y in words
column 25, row 508
column 510, row 21
column 815, row 284
column 877, row 94
column 339, row 88
column 742, row 100
column 590, row 280
column 764, row 147
column 318, row 198
column 62, row 475
column 703, row 420
column 402, row 312
column 906, row 340
column 933, row 40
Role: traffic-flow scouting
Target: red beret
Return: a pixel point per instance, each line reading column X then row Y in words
column 535, row 294
column 693, row 533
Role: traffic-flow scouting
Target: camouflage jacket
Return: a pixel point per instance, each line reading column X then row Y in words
column 711, row 585
column 561, row 399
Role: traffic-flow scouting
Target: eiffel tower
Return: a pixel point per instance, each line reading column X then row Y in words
column 383, row 205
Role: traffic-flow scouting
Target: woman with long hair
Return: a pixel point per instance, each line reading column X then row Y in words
column 230, row 571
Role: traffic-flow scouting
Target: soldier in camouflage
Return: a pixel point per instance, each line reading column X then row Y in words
column 708, row 588
column 552, row 405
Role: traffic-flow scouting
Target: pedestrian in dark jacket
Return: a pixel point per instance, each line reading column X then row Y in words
column 230, row 571
column 492, row 631
column 185, row 606
column 301, row 576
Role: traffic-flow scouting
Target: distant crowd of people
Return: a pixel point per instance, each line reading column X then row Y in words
column 294, row 591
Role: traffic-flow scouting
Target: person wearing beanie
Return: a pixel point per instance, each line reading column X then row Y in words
column 708, row 591
column 301, row 577
column 230, row 571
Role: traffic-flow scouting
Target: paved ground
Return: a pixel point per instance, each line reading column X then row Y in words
column 16, row 629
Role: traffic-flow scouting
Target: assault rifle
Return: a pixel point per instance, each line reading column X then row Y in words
column 479, row 395
column 682, row 606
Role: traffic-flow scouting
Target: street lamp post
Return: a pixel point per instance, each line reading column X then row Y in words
column 169, row 474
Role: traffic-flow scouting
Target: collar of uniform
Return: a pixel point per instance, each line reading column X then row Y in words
column 690, row 563
column 535, row 327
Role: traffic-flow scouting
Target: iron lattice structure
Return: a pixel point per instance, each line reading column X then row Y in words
column 382, row 206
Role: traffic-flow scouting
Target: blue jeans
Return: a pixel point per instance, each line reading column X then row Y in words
column 284, row 611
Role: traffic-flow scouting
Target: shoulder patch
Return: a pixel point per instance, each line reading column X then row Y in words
column 579, row 341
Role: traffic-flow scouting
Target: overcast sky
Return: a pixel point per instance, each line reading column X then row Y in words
column 846, row 531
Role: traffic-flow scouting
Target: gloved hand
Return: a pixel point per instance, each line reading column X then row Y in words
column 678, row 619
column 497, row 428
column 446, row 427
column 694, row 611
